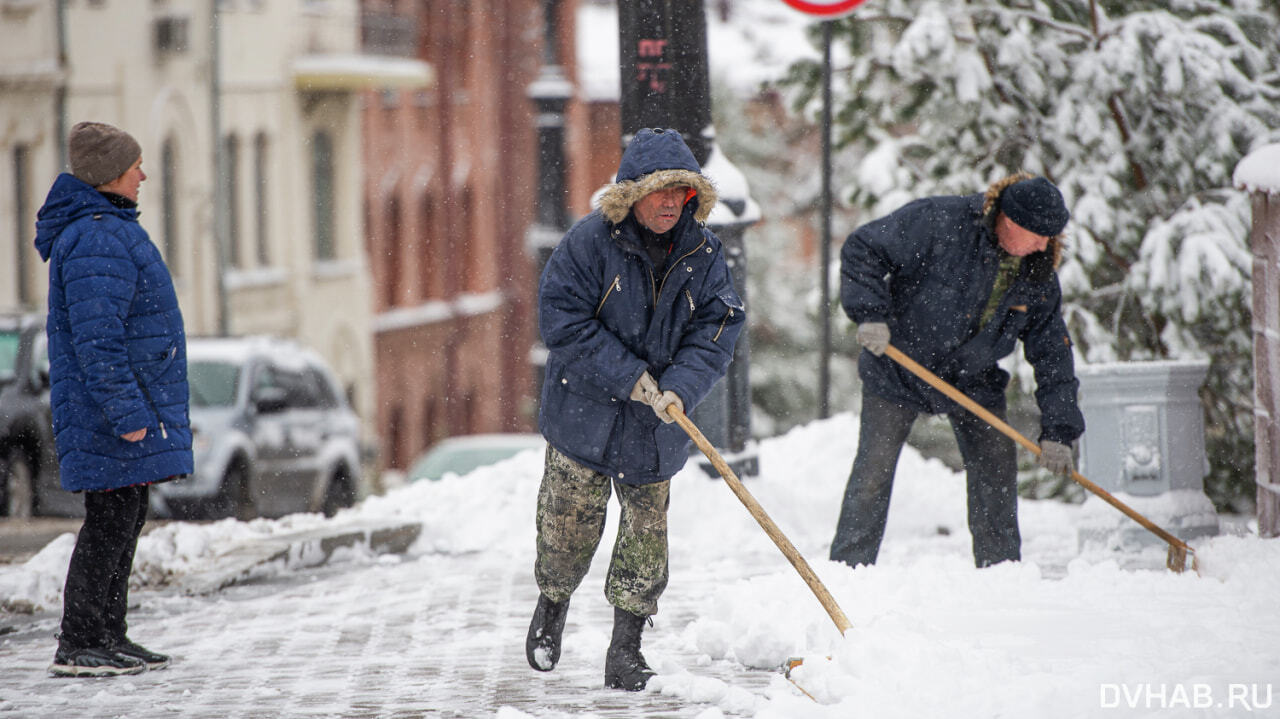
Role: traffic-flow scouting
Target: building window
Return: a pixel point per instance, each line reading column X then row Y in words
column 260, row 159
column 231, row 193
column 395, row 429
column 391, row 285
column 466, row 246
column 22, row 220
column 169, row 202
column 430, row 418
column 428, row 282
column 322, row 195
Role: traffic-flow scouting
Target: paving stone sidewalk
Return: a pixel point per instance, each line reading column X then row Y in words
column 427, row 636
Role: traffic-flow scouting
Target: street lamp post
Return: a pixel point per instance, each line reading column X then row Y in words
column 550, row 93
column 665, row 83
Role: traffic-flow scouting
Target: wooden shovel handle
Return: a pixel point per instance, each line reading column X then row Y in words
column 942, row 386
column 771, row 529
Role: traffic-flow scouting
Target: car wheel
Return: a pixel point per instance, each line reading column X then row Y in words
column 234, row 498
column 340, row 493
column 18, row 485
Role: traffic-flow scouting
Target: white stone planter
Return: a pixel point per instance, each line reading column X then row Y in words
column 1144, row 442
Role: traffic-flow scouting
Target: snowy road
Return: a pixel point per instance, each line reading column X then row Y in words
column 432, row 636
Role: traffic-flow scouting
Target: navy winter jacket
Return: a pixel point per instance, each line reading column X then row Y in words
column 927, row 271
column 117, row 348
column 607, row 315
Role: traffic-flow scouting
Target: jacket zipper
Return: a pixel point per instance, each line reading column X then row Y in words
column 673, row 267
column 689, row 296
column 147, row 393
column 723, row 322
column 616, row 285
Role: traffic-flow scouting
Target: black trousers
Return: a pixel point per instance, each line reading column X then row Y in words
column 96, row 595
column 991, row 474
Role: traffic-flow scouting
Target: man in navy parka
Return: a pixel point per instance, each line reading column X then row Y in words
column 957, row 282
column 638, row 313
column 118, row 373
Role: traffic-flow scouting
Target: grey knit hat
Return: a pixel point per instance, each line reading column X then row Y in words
column 99, row 153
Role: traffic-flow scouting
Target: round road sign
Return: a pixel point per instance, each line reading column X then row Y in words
column 824, row 8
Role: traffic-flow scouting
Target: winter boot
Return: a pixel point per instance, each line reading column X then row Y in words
column 542, row 645
column 153, row 660
column 93, row 662
column 624, row 665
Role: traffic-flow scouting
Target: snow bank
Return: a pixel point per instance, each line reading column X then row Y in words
column 1061, row 634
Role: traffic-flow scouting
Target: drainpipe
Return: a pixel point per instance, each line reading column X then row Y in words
column 60, row 91
column 219, row 195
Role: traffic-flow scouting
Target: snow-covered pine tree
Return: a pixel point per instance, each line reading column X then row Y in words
column 1138, row 109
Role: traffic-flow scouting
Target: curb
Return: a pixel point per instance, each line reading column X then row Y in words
column 310, row 548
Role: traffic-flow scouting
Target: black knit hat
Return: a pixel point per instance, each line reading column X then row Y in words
column 99, row 153
column 1035, row 205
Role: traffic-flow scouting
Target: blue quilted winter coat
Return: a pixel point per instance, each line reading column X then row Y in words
column 927, row 271
column 607, row 314
column 117, row 348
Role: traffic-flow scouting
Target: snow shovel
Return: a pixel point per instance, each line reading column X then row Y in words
column 771, row 529
column 1178, row 549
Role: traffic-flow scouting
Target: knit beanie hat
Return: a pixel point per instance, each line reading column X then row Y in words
column 99, row 153
column 1035, row 205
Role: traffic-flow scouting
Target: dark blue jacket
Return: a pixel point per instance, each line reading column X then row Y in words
column 927, row 271
column 117, row 348
column 607, row 315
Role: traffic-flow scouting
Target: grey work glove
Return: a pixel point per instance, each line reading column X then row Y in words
column 646, row 390
column 668, row 399
column 1055, row 457
column 874, row 336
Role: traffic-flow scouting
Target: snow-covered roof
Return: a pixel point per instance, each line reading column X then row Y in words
column 731, row 184
column 238, row 350
column 1259, row 171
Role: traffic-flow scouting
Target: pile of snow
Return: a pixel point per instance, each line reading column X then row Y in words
column 1061, row 634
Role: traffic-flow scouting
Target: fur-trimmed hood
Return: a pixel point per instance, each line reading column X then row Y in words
column 654, row 160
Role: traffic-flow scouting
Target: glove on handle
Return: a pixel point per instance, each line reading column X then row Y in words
column 1055, row 457
column 874, row 336
column 667, row 399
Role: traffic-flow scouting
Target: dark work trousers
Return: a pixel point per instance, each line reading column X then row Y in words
column 991, row 473
column 96, row 595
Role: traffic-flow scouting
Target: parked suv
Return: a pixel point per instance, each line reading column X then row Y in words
column 272, row 431
column 28, row 460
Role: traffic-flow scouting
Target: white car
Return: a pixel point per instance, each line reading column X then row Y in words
column 272, row 432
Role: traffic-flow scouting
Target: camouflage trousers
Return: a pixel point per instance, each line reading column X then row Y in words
column 571, row 516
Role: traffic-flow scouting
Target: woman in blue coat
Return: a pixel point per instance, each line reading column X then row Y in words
column 118, row 373
column 638, row 313
column 957, row 282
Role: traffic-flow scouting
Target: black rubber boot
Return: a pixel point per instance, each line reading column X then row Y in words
column 624, row 665
column 542, row 645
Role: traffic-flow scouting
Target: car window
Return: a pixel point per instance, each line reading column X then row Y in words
column 8, row 354
column 325, row 395
column 300, row 391
column 213, row 384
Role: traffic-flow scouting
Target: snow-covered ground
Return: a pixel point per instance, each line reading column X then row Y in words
column 1063, row 634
